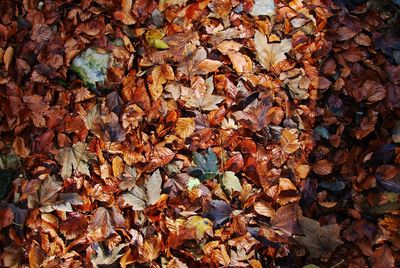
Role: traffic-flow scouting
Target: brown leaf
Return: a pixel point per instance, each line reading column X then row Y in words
column 100, row 225
column 6, row 217
column 185, row 127
column 383, row 257
column 263, row 208
column 319, row 239
column 322, row 167
column 41, row 33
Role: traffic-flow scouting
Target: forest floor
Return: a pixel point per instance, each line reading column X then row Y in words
column 214, row 133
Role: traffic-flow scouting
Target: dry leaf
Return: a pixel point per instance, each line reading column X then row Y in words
column 184, row 127
column 74, row 159
column 269, row 54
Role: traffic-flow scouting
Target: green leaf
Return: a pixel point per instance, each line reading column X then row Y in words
column 206, row 165
column 192, row 183
column 230, row 182
column 91, row 66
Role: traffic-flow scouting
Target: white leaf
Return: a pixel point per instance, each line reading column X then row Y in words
column 153, row 187
column 263, row 8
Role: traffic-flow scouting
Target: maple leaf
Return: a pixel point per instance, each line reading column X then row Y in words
column 269, row 54
column 206, row 165
column 140, row 198
column 318, row 240
column 104, row 257
column 75, row 158
column 201, row 98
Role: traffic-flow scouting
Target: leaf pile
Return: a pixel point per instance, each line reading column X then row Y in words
column 210, row 133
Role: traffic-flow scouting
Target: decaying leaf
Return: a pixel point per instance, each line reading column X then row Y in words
column 105, row 257
column 318, row 239
column 201, row 225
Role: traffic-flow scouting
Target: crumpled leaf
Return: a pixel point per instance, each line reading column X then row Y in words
column 201, row 98
column 104, row 257
column 269, row 54
column 230, row 182
column 139, row 198
column 318, row 239
column 206, row 165
column 74, row 159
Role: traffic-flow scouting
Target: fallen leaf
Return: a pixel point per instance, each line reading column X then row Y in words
column 139, row 198
column 185, row 127
column 8, row 56
column 74, row 159
column 106, row 258
column 269, row 54
column 263, row 8
column 318, row 239
column 201, row 225
column 230, row 182
column 100, row 225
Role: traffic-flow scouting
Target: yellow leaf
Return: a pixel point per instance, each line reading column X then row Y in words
column 118, row 166
column 184, row 127
column 201, row 225
column 156, row 88
column 289, row 141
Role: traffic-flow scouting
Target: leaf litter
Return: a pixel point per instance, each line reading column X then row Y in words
column 199, row 133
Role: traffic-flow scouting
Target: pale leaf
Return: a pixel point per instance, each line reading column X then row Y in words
column 74, row 158
column 136, row 198
column 263, row 8
column 231, row 182
column 153, row 187
column 269, row 54
column 201, row 98
column 102, row 258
